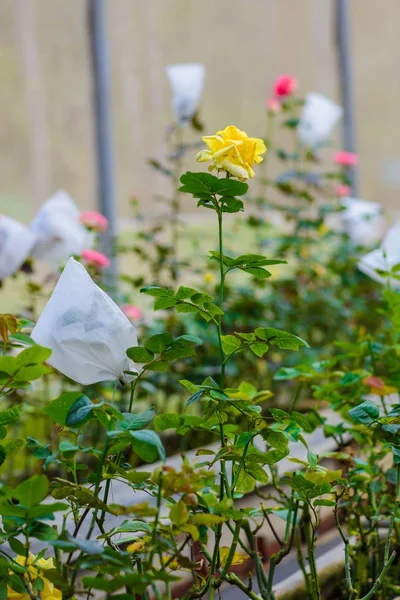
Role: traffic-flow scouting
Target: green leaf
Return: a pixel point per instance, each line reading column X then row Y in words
column 160, row 366
column 188, row 340
column 44, row 532
column 80, row 412
column 205, row 185
column 230, row 344
column 323, row 502
column 3, row 454
column 179, row 513
column 365, row 413
column 231, row 205
column 46, row 510
column 14, row 446
column 32, row 491
column 17, row 546
column 10, row 415
column 140, row 355
column 184, row 293
column 138, row 421
column 302, row 421
column 59, row 408
column 32, row 372
column 8, row 364
column 276, row 439
column 282, row 339
column 259, row 348
column 33, row 356
column 167, row 421
column 133, row 526
column 157, row 343
column 178, row 353
column 147, row 445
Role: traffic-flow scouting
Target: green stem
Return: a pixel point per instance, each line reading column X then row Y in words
column 230, row 556
column 260, row 573
column 240, row 466
column 234, row 580
column 296, row 397
column 347, row 568
column 221, row 298
column 285, row 548
column 156, row 520
column 381, row 577
column 310, row 542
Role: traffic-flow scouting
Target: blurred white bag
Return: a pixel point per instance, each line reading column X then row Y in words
column 86, row 331
column 187, row 82
column 384, row 258
column 59, row 231
column 363, row 221
column 319, row 116
column 16, row 243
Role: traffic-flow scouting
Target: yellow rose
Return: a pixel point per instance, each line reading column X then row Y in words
column 137, row 546
column 233, row 151
column 36, row 568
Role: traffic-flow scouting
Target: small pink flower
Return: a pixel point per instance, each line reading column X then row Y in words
column 94, row 220
column 343, row 190
column 273, row 105
column 132, row 312
column 346, row 159
column 95, row 259
column 284, row 85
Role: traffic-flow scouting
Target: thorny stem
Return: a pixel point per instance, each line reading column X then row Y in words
column 310, row 541
column 286, row 547
column 156, row 520
column 347, row 567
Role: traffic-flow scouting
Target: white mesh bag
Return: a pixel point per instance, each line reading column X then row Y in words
column 384, row 258
column 16, row 243
column 363, row 221
column 187, row 82
column 86, row 331
column 59, row 231
column 319, row 116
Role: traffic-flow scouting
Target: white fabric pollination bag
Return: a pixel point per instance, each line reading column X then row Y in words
column 363, row 221
column 59, row 231
column 187, row 82
column 384, row 258
column 319, row 117
column 16, row 243
column 86, row 331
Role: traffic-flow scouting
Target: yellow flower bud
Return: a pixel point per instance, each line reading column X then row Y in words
column 209, row 277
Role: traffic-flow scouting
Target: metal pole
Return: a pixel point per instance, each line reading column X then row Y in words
column 346, row 85
column 104, row 144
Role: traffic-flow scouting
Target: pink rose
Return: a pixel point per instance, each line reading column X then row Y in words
column 95, row 259
column 273, row 105
column 346, row 159
column 94, row 220
column 343, row 190
column 284, row 86
column 132, row 312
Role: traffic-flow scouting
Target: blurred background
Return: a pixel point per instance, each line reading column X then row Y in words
column 47, row 121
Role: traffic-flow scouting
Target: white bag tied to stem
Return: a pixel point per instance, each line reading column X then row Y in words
column 384, row 258
column 59, row 230
column 319, row 116
column 86, row 331
column 16, row 243
column 363, row 221
column 187, row 82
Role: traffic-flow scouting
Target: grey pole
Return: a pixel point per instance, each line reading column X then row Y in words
column 346, row 85
column 104, row 142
